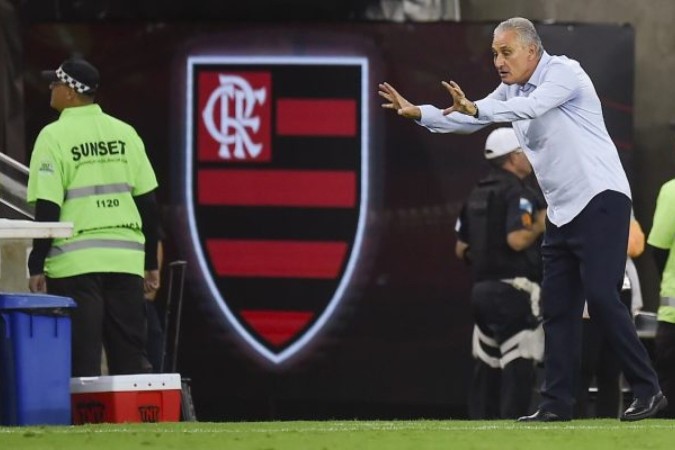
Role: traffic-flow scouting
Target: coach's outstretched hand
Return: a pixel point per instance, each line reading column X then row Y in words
column 398, row 103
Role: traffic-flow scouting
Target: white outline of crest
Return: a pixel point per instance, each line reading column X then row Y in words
column 294, row 348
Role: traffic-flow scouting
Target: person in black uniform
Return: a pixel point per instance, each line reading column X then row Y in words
column 499, row 235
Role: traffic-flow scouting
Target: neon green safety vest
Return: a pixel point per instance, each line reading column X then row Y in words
column 92, row 165
column 662, row 235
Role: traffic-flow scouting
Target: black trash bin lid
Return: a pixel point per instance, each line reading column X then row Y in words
column 29, row 301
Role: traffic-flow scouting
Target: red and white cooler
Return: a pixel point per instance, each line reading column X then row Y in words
column 126, row 398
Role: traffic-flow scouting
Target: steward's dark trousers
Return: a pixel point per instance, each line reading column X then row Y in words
column 665, row 362
column 501, row 311
column 586, row 259
column 501, row 393
column 110, row 312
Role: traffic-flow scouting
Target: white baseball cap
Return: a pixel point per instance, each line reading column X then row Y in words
column 500, row 142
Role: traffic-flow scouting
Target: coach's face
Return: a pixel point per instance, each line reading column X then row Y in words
column 515, row 62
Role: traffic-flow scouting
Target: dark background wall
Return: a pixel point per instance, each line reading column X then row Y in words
column 653, row 161
column 399, row 346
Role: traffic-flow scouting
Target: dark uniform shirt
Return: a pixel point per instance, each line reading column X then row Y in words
column 499, row 204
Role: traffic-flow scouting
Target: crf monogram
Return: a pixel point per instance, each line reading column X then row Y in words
column 232, row 132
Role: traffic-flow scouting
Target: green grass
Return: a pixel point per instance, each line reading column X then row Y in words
column 347, row 435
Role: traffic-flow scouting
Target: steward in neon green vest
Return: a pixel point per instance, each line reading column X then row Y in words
column 91, row 169
column 662, row 240
column 92, row 165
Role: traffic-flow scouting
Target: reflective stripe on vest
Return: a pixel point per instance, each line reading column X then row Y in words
column 95, row 243
column 86, row 191
column 667, row 301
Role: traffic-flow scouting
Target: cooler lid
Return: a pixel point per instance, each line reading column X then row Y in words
column 24, row 300
column 118, row 383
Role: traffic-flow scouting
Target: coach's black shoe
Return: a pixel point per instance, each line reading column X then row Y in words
column 644, row 408
column 543, row 416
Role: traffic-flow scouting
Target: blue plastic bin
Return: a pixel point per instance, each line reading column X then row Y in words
column 35, row 359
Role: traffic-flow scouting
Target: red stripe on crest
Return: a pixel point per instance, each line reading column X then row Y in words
column 316, row 117
column 328, row 189
column 277, row 327
column 276, row 259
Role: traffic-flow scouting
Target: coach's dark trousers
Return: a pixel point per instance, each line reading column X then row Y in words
column 585, row 260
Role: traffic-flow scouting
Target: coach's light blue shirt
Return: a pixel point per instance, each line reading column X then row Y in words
column 558, row 120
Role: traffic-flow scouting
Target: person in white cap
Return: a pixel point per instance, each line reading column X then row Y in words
column 498, row 235
column 552, row 105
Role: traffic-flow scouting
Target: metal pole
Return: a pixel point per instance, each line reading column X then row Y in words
column 180, row 265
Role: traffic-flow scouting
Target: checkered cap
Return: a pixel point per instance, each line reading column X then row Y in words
column 76, row 73
column 72, row 82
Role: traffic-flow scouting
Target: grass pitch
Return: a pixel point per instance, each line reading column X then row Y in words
column 347, row 435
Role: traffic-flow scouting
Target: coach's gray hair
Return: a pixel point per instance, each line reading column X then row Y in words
column 525, row 30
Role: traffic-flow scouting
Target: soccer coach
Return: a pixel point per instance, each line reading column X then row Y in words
column 557, row 117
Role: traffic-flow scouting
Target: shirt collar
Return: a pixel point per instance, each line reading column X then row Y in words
column 81, row 110
column 535, row 79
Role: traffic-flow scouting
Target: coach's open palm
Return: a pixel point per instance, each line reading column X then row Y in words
column 398, row 103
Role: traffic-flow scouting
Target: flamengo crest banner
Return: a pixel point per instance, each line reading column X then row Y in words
column 276, row 189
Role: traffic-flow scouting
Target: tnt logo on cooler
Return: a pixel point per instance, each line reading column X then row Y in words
column 149, row 413
column 235, row 116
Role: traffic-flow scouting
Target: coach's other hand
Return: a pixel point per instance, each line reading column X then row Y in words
column 460, row 103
